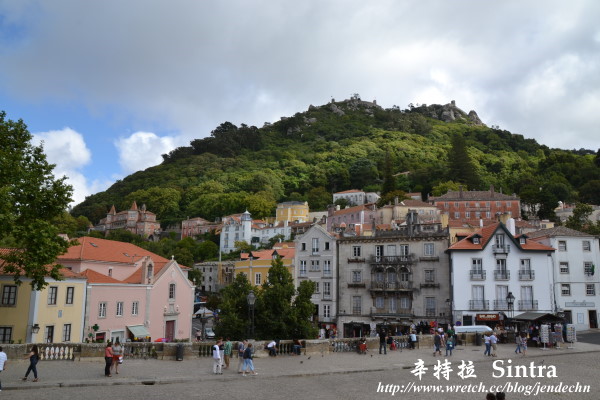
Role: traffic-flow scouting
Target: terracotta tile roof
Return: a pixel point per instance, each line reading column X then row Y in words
column 350, row 191
column 96, row 277
column 90, row 248
column 486, row 233
column 456, row 195
column 416, row 203
column 65, row 272
column 351, row 210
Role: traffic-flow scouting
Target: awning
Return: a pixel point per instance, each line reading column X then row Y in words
column 139, row 331
column 537, row 317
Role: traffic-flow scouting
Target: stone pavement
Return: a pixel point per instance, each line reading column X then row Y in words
column 155, row 372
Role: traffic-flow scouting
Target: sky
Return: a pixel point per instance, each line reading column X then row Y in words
column 109, row 86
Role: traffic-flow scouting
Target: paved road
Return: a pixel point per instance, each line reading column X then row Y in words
column 341, row 375
column 592, row 336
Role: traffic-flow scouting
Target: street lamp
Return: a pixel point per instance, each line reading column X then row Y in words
column 449, row 305
column 510, row 299
column 251, row 299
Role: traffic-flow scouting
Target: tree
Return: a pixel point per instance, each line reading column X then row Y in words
column 30, row 198
column 318, row 198
column 362, row 172
column 207, row 250
column 389, row 180
column 443, row 188
column 580, row 217
column 390, row 197
column 303, row 311
column 590, row 192
column 195, row 276
column 233, row 318
column 460, row 165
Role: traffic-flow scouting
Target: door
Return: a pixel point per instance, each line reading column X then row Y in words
column 170, row 330
column 593, row 319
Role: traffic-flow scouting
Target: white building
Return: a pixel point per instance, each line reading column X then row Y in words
column 241, row 227
column 316, row 261
column 491, row 263
column 356, row 197
column 576, row 283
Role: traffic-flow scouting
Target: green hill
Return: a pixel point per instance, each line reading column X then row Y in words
column 340, row 146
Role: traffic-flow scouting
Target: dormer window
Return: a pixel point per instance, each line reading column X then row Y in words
column 522, row 240
column 475, row 240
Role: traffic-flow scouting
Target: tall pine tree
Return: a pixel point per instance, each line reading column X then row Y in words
column 460, row 165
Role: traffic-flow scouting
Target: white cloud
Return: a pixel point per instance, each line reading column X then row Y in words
column 142, row 150
column 67, row 149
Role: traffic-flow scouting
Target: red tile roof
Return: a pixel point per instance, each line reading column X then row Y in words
column 486, row 234
column 95, row 249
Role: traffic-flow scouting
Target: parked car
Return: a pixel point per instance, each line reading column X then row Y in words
column 209, row 333
column 472, row 328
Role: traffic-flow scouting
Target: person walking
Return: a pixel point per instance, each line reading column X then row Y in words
column 217, row 366
column 524, row 343
column 117, row 354
column 449, row 345
column 413, row 339
column 33, row 360
column 494, row 343
column 108, row 358
column 3, row 359
column 248, row 364
column 382, row 342
column 437, row 344
column 227, row 348
column 488, row 345
column 518, row 342
column 240, row 351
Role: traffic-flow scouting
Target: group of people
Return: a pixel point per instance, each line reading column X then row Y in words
column 221, row 354
column 113, row 356
column 443, row 340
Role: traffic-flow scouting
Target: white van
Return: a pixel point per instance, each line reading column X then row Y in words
column 472, row 329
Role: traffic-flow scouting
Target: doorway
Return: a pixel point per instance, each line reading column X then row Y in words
column 593, row 319
column 170, row 330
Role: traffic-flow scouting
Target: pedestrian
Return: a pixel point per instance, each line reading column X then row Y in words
column 437, row 344
column 272, row 347
column 449, row 345
column 524, row 343
column 227, row 352
column 382, row 342
column 33, row 360
column 493, row 342
column 117, row 354
column 518, row 341
column 488, row 345
column 108, row 358
column 217, row 366
column 248, row 364
column 222, row 353
column 413, row 339
column 240, row 351
column 3, row 359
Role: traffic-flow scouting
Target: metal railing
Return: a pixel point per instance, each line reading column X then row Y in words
column 479, row 305
column 403, row 259
column 501, row 248
column 526, row 275
column 501, row 275
column 391, row 285
column 477, row 275
column 527, row 305
column 500, row 305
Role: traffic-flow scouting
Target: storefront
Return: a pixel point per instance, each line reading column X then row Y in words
column 356, row 330
column 489, row 319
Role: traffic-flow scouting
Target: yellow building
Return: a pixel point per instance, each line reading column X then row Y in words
column 255, row 265
column 292, row 211
column 52, row 315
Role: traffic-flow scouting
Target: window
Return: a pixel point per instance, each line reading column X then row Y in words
column 326, row 311
column 9, row 295
column 356, row 276
column 476, row 265
column 314, row 265
column 588, row 268
column 445, row 205
column 586, row 245
column 52, row 294
column 475, row 240
column 326, row 289
column 562, row 245
column 356, row 305
column 430, row 306
column 327, row 267
column 317, row 287
column 110, row 272
column 5, row 334
column 302, row 267
column 456, row 204
column 356, row 251
column 467, row 214
column 378, row 253
column 49, row 334
column 403, row 249
column 135, row 306
column 379, row 302
column 66, row 336
column 488, row 214
column 70, row 293
column 315, row 245
column 429, row 249
column 429, row 275
column 565, row 289
column 102, row 310
column 258, row 278
column 303, row 246
column 508, row 205
column 404, row 303
column 564, row 267
column 456, row 215
column 590, row 289
column 326, row 245
column 498, row 204
column 119, row 308
column 171, row 291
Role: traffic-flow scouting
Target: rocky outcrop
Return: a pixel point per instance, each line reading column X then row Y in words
column 448, row 113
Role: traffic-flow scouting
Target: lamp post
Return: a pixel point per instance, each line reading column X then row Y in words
column 510, row 300
column 451, row 317
column 251, row 299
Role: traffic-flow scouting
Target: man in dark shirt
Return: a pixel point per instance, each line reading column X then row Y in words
column 382, row 342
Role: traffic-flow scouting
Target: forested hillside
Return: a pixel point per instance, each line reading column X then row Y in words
column 351, row 144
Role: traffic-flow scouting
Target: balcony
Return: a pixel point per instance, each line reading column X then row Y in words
column 500, row 305
column 429, row 284
column 501, row 275
column 430, row 312
column 356, row 260
column 526, row 275
column 403, row 285
column 390, row 313
column 477, row 275
column 501, row 248
column 527, row 305
column 356, row 284
column 302, row 274
column 326, row 296
column 393, row 260
column 479, row 305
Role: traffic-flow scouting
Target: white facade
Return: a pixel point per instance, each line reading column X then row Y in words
column 576, row 283
column 238, row 228
column 316, row 261
column 489, row 265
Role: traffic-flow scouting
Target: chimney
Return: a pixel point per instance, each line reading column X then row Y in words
column 491, row 190
column 510, row 225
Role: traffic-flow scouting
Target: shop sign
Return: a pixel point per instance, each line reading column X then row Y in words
column 488, row 317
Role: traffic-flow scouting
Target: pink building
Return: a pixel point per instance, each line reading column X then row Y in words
column 192, row 227
column 132, row 293
column 139, row 221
